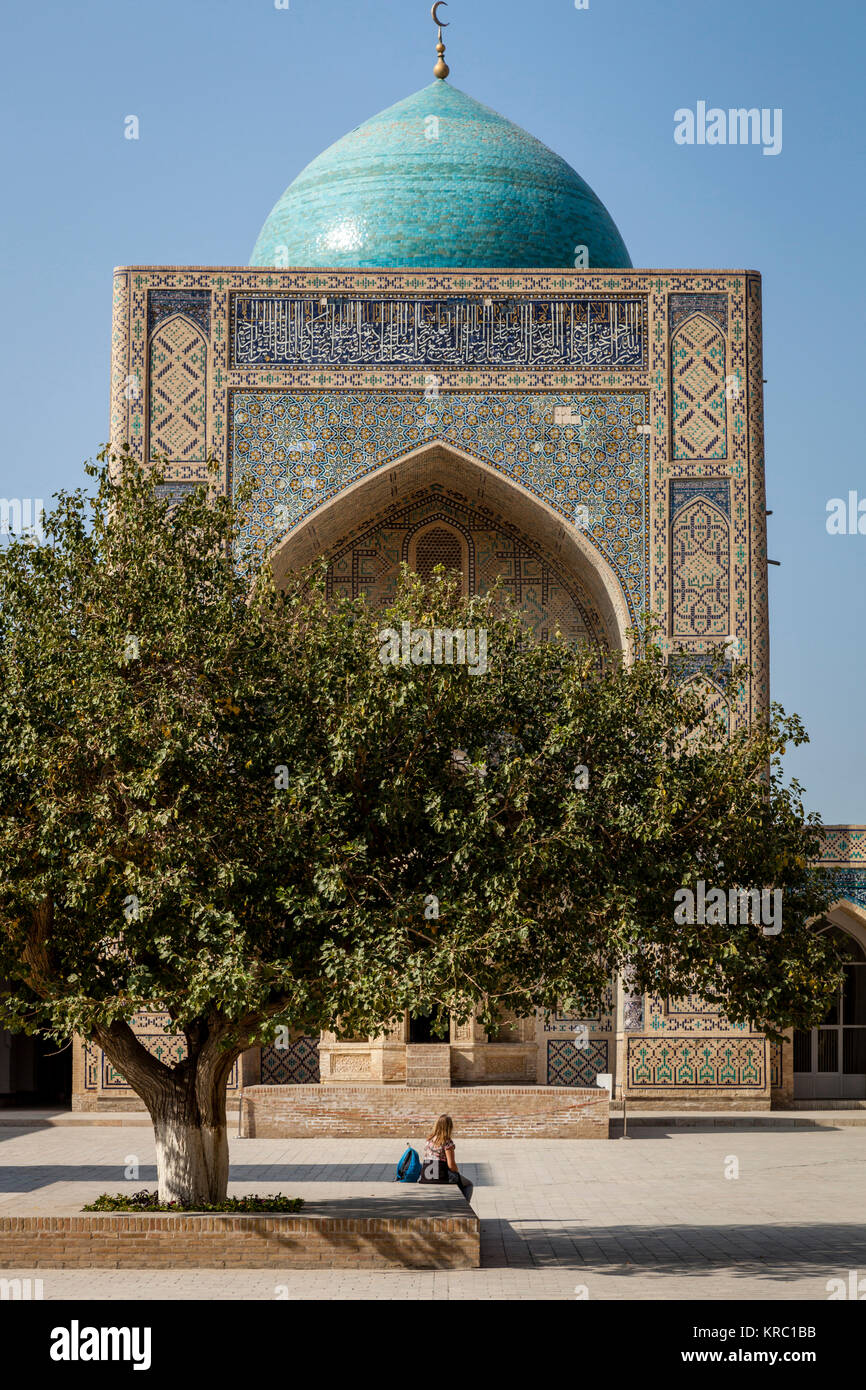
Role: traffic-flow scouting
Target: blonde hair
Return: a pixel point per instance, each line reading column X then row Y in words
column 442, row 1131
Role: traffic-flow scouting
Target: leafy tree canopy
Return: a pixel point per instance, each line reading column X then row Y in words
column 217, row 801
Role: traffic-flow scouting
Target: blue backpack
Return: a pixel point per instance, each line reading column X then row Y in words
column 409, row 1167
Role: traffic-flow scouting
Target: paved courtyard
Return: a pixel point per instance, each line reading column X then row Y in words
column 649, row 1217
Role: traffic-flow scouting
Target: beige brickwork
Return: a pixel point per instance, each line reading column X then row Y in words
column 506, row 1112
column 116, row 1241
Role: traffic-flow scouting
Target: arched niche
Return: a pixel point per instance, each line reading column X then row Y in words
column 699, row 420
column 454, row 471
column 177, row 391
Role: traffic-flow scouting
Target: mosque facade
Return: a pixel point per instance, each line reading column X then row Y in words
column 441, row 353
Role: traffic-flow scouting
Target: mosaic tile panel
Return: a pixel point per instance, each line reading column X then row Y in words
column 174, row 492
column 598, row 1021
column 568, row 1065
column 177, row 377
column 851, row 884
column 844, row 851
column 685, row 306
column 304, row 448
column 699, row 414
column 776, row 1065
column 700, row 571
column 295, row 1065
column 691, row 664
column 750, row 531
column 844, row 844
column 686, row 490
column 91, row 1066
column 696, row 1063
column 688, row 1015
column 164, row 304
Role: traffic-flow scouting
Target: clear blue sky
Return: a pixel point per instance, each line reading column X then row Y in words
column 234, row 97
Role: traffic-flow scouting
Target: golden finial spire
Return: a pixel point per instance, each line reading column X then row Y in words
column 441, row 69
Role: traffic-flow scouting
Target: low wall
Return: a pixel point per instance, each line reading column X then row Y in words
column 419, row 1229
column 479, row 1112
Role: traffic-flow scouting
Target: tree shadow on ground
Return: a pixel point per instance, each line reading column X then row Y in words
column 776, row 1252
column 34, row 1177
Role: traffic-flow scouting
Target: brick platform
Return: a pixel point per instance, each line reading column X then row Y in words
column 413, row 1228
column 491, row 1112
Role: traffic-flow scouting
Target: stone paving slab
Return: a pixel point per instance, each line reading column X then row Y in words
column 650, row 1217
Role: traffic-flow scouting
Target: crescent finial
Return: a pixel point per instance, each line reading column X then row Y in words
column 441, row 70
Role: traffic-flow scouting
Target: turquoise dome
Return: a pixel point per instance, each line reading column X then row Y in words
column 466, row 189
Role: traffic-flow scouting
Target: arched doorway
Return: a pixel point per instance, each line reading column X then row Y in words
column 830, row 1060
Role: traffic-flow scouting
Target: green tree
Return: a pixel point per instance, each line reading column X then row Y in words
column 218, row 800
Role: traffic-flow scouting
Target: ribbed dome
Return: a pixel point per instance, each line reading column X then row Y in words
column 467, row 189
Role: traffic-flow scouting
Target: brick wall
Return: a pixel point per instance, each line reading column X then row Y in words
column 114, row 1241
column 491, row 1112
column 428, row 1064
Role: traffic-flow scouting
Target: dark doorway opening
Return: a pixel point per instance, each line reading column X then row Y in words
column 421, row 1029
column 35, row 1071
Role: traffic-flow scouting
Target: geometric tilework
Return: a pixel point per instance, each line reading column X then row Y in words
column 851, row 884
column 685, row 490
column 167, row 1047
column 699, row 413
column 91, row 1066
column 700, row 564
column 692, row 1004
column 843, row 844
column 174, row 492
column 685, row 306
column 164, row 304
column 178, row 392
column 775, row 1065
column 303, row 448
column 686, row 665
column 844, row 851
column 295, row 1065
column 568, row 1065
column 715, row 702
column 730, row 302
column 687, row 1015
column 550, row 598
column 696, row 1062
column 599, row 1019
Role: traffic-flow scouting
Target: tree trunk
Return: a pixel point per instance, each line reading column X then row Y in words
column 192, row 1159
column 187, row 1104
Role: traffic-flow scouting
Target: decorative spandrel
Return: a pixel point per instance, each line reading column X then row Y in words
column 584, row 453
